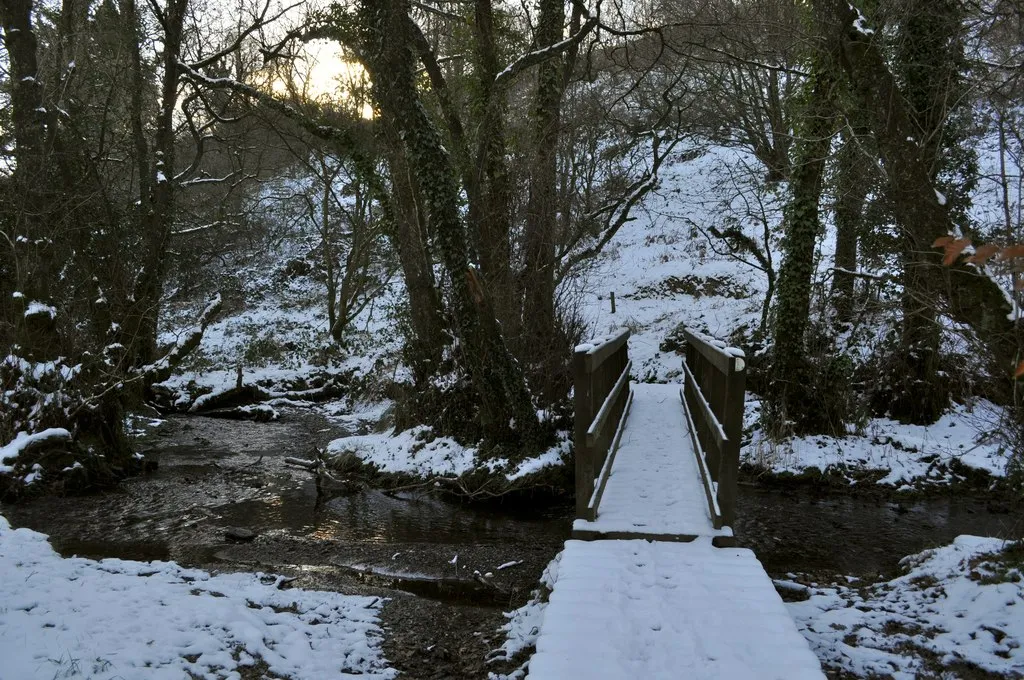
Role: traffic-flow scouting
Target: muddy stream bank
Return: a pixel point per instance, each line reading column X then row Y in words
column 219, row 479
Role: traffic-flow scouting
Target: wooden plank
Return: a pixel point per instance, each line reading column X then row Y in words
column 709, row 416
column 722, row 541
column 718, row 357
column 596, row 356
column 592, row 535
column 705, row 474
column 729, row 463
column 594, row 431
column 584, row 414
column 606, row 469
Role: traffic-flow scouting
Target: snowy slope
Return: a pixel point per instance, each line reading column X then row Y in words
column 664, row 270
column 665, row 273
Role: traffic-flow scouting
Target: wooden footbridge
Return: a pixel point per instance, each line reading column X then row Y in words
column 651, row 586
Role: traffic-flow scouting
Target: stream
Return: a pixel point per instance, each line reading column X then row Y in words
column 218, row 480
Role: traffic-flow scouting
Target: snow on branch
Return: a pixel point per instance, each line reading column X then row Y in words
column 862, row 275
column 537, row 56
column 204, row 227
column 209, row 180
column 24, row 441
column 160, row 370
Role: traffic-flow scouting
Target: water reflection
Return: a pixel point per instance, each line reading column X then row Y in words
column 376, row 517
column 858, row 535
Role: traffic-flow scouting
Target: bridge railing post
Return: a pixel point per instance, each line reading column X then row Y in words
column 713, row 393
column 601, row 372
column 583, row 402
column 732, row 423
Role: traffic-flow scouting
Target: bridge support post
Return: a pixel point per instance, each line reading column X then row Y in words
column 583, row 402
column 713, row 393
column 732, row 422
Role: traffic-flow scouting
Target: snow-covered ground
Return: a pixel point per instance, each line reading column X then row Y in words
column 119, row 619
column 954, row 605
column 665, row 270
column 900, row 456
column 417, row 451
column 523, row 625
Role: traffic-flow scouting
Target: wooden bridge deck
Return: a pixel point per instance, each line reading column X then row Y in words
column 659, row 594
column 631, row 610
column 655, row 488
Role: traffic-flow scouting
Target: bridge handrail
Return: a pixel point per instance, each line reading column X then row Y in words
column 602, row 396
column 713, row 392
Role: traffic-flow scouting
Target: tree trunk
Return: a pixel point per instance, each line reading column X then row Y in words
column 851, row 192
column 792, row 395
column 493, row 215
column 918, row 396
column 33, row 238
column 506, row 410
column 410, row 243
column 537, row 279
column 140, row 330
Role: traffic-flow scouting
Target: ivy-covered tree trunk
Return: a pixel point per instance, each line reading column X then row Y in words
column 851, row 192
column 53, row 215
column 917, row 395
column 929, row 57
column 29, row 271
column 506, row 410
column 791, row 396
column 537, row 279
column 410, row 243
column 493, row 212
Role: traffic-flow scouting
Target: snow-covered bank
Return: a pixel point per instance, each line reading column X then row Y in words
column 417, row 451
column 124, row 619
column 666, row 268
column 954, row 605
column 523, row 626
column 963, row 441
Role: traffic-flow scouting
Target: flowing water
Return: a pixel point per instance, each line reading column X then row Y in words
column 221, row 478
column 219, row 474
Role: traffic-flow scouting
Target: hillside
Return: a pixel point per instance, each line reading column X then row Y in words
column 665, row 269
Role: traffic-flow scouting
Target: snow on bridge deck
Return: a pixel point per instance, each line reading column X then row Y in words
column 655, row 488
column 635, row 609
